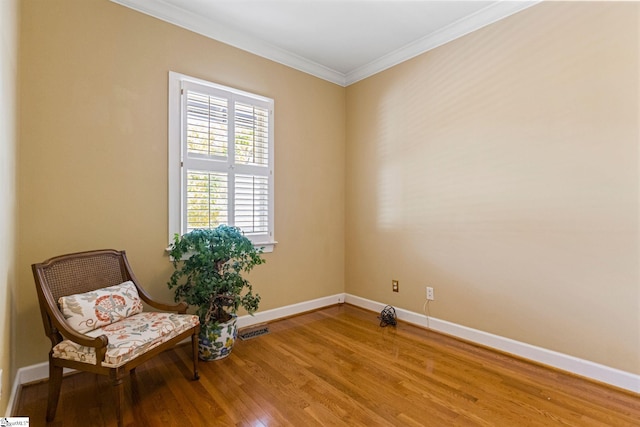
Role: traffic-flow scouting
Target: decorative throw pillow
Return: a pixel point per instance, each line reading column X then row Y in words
column 91, row 310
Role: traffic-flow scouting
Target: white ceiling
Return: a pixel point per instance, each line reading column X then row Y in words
column 342, row 41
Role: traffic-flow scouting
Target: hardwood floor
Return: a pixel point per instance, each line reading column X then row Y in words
column 338, row 367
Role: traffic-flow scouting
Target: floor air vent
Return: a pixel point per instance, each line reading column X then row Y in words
column 253, row 332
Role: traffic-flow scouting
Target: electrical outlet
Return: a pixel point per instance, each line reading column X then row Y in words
column 395, row 286
column 430, row 293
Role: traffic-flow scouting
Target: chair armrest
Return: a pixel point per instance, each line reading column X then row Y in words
column 181, row 307
column 71, row 334
column 100, row 343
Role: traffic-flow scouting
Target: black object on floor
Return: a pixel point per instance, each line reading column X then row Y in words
column 388, row 316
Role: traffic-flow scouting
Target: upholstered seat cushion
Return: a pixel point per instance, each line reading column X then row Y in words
column 129, row 337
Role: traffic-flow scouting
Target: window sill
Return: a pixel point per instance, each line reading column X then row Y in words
column 267, row 247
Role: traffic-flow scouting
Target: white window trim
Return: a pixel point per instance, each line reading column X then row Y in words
column 175, row 158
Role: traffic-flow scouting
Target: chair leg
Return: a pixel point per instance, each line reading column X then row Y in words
column 194, row 349
column 135, row 391
column 55, row 382
column 118, row 388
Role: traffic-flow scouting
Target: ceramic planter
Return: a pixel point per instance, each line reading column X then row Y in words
column 217, row 339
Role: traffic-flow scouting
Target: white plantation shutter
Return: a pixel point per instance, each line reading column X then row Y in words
column 207, row 124
column 226, row 146
column 252, row 135
column 251, row 150
column 252, row 203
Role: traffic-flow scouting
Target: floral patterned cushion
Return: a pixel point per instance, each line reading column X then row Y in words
column 91, row 310
column 129, row 338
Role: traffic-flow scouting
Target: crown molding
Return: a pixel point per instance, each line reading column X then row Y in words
column 198, row 24
column 460, row 28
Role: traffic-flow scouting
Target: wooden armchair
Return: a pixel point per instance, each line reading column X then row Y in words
column 91, row 305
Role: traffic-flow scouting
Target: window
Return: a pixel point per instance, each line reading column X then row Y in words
column 220, row 159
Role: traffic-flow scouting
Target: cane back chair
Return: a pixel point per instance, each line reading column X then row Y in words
column 81, row 278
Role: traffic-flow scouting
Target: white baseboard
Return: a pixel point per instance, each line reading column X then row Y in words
column 574, row 365
column 289, row 310
column 26, row 375
column 584, row 368
column 12, row 396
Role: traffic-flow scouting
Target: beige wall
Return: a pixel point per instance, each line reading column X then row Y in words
column 502, row 170
column 93, row 151
column 8, row 120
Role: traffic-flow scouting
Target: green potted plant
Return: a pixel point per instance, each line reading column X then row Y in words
column 208, row 267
